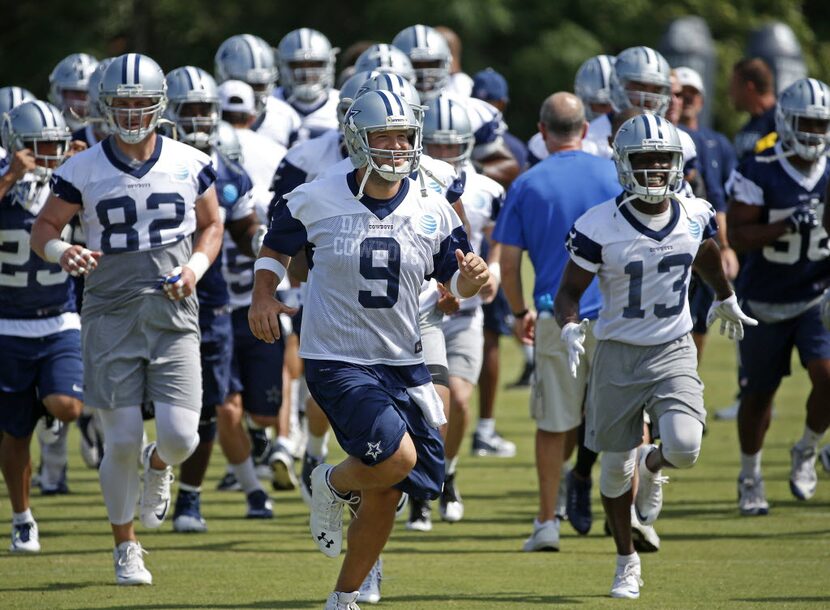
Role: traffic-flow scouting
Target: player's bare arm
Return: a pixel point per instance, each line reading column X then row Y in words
column 243, row 233
column 510, row 264
column 708, row 265
column 265, row 310
column 47, row 243
column 575, row 281
column 747, row 231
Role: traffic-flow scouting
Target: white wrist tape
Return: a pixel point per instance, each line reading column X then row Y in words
column 54, row 249
column 199, row 263
column 495, row 271
column 270, row 264
column 454, row 285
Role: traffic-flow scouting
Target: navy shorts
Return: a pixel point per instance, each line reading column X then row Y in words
column 700, row 300
column 256, row 368
column 766, row 349
column 32, row 369
column 370, row 410
column 497, row 315
column 216, row 351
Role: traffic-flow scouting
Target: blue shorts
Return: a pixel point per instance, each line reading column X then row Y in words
column 370, row 410
column 216, row 351
column 256, row 368
column 32, row 369
column 497, row 315
column 766, row 349
column 700, row 300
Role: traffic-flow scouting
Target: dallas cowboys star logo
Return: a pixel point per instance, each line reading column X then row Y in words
column 273, row 395
column 374, row 450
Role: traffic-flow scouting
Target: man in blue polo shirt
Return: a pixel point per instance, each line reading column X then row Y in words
column 540, row 208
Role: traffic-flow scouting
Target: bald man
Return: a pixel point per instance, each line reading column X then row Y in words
column 541, row 207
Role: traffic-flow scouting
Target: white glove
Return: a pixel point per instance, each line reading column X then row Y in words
column 732, row 319
column 825, row 309
column 573, row 335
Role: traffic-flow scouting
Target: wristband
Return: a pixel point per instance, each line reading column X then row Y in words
column 198, row 263
column 267, row 263
column 454, row 285
column 54, row 249
column 520, row 314
column 495, row 271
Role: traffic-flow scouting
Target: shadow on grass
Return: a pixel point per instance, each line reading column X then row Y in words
column 783, row 600
column 295, row 604
column 54, row 586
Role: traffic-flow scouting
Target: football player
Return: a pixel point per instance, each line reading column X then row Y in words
column 141, row 196
column 641, row 245
column 40, row 363
column 69, row 87
column 374, row 236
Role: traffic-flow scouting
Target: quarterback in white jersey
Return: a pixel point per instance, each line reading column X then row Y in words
column 140, row 197
column 642, row 246
column 371, row 238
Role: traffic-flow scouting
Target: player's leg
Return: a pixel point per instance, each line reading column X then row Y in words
column 317, row 446
column 616, row 475
column 764, row 360
column 813, row 343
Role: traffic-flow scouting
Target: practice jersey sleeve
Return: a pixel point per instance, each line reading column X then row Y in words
column 286, row 234
column 743, row 189
column 583, row 250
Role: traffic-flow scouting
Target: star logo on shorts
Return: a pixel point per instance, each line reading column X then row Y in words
column 272, row 395
column 374, row 450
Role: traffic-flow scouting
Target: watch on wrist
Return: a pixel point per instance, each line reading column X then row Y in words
column 520, row 314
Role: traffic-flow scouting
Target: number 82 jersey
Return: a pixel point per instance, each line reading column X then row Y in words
column 130, row 208
column 643, row 274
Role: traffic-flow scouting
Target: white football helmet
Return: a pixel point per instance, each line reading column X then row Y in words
column 133, row 76
column 187, row 86
column 250, row 59
column 637, row 68
column 31, row 125
column 805, row 100
column 430, row 55
column 69, row 87
column 592, row 83
column 446, row 122
column 385, row 58
column 306, row 60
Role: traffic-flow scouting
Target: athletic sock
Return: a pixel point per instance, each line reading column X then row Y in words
column 751, row 465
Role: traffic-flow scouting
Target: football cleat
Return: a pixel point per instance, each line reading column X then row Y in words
column 229, row 483
column 187, row 515
column 25, row 538
column 752, row 500
column 370, row 588
column 420, row 517
column 48, row 429
column 326, row 521
column 92, row 441
column 259, row 505
column 155, row 492
column 545, row 537
column 56, row 488
column 309, row 464
column 450, row 504
column 627, row 581
column 339, row 600
column 579, row 503
column 824, row 456
column 644, row 537
column 129, row 564
column 282, row 467
column 493, row 445
column 803, row 477
column 649, row 500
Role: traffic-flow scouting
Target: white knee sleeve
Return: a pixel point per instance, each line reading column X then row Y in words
column 616, row 472
column 681, row 436
column 177, row 433
column 123, row 430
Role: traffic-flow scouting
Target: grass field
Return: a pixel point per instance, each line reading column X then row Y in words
column 710, row 556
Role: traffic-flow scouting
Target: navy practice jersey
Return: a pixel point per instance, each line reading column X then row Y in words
column 30, row 288
column 795, row 267
column 233, row 190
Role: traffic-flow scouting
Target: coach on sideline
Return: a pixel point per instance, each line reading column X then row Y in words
column 541, row 206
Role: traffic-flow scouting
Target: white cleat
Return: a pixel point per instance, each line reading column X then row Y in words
column 649, row 500
column 450, row 504
column 326, row 513
column 370, row 588
column 824, row 456
column 627, row 581
column 545, row 537
column 282, row 467
column 25, row 538
column 48, row 430
column 645, row 537
column 129, row 564
column 729, row 413
column 339, row 600
column 751, row 498
column 155, row 491
column 803, row 477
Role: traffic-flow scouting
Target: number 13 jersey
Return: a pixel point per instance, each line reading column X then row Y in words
column 643, row 274
column 367, row 259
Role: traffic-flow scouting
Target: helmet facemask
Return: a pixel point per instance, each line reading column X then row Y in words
column 310, row 79
column 133, row 124
column 195, row 121
column 464, row 142
column 808, row 137
column 650, row 184
column 432, row 75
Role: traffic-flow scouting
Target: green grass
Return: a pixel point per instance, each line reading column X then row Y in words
column 710, row 558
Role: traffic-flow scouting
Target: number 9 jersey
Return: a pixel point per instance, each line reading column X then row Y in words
column 139, row 206
column 367, row 260
column 643, row 273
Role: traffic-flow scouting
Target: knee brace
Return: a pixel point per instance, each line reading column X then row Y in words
column 681, row 435
column 681, row 458
column 616, row 472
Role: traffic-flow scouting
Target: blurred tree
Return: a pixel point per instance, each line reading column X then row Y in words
column 536, row 44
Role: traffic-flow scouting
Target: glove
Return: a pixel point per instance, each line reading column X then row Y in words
column 825, row 309
column 573, row 336
column 803, row 219
column 732, row 319
column 172, row 284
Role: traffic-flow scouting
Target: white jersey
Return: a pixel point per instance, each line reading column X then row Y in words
column 315, row 156
column 536, row 146
column 438, row 176
column 260, row 158
column 279, row 122
column 315, row 118
column 128, row 208
column 367, row 261
column 643, row 274
column 460, row 84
